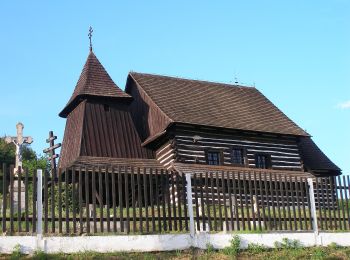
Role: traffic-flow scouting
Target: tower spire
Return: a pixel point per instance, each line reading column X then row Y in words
column 90, row 36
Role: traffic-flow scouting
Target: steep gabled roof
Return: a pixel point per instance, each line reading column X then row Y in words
column 215, row 104
column 93, row 81
column 315, row 160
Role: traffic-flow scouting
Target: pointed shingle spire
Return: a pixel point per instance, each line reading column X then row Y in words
column 94, row 81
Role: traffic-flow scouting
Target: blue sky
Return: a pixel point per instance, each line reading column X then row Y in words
column 295, row 52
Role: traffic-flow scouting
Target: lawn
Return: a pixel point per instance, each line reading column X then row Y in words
column 288, row 249
column 305, row 253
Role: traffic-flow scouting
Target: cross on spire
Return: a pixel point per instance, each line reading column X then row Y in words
column 90, row 36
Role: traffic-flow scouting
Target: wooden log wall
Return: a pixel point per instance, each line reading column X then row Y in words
column 165, row 155
column 284, row 154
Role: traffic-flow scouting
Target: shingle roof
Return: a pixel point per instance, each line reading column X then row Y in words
column 93, row 81
column 314, row 159
column 216, row 104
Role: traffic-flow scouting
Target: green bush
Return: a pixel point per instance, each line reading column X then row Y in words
column 318, row 254
column 16, row 253
column 288, row 244
column 210, row 248
column 333, row 245
column 234, row 247
column 65, row 203
column 39, row 255
column 256, row 248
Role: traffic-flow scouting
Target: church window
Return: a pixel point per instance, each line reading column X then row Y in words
column 262, row 161
column 237, row 156
column 213, row 157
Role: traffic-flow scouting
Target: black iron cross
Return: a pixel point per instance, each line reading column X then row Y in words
column 90, row 36
column 52, row 154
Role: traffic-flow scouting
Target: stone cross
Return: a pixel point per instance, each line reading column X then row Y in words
column 19, row 141
column 18, row 185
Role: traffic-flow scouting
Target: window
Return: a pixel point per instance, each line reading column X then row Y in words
column 262, row 161
column 213, row 157
column 237, row 156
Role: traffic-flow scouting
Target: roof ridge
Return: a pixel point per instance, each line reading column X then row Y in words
column 215, row 104
column 193, row 80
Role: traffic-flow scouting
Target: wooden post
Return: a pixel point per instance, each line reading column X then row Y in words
column 190, row 203
column 4, row 196
column 39, row 201
column 313, row 206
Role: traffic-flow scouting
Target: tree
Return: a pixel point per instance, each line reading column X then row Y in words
column 31, row 159
column 28, row 153
column 7, row 152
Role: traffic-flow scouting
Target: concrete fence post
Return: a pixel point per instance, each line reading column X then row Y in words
column 313, row 205
column 39, row 203
column 190, row 203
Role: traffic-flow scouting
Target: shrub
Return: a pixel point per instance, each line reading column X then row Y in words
column 333, row 245
column 288, row 244
column 210, row 248
column 256, row 248
column 16, row 253
column 178, row 252
column 65, row 203
column 234, row 247
column 39, row 255
column 318, row 253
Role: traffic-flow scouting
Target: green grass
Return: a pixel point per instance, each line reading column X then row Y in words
column 253, row 252
column 269, row 224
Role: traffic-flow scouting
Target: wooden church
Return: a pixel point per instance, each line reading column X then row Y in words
column 182, row 125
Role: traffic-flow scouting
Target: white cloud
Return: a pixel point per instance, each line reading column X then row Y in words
column 344, row 105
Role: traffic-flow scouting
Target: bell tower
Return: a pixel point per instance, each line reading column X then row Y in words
column 99, row 124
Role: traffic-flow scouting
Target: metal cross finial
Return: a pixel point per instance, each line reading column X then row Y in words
column 90, row 36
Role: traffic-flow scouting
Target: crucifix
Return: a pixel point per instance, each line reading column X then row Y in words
column 90, row 36
column 18, row 185
column 19, row 142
